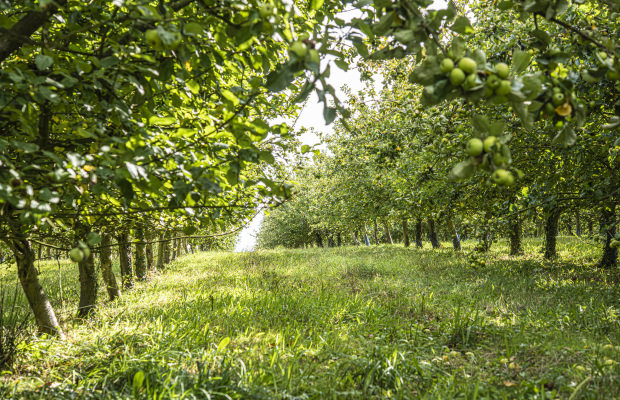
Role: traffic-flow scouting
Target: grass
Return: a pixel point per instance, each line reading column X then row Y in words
column 342, row 323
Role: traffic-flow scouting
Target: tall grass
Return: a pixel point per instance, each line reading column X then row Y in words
column 353, row 322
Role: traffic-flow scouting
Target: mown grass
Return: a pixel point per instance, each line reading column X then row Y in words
column 343, row 323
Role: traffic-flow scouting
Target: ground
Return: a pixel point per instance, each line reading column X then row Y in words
column 343, row 323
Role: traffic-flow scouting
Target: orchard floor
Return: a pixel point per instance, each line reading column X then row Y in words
column 344, row 323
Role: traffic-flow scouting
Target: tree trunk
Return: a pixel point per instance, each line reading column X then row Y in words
column 590, row 227
column 405, row 233
column 432, row 234
column 569, row 226
column 418, row 233
column 339, row 239
column 140, row 254
column 551, row 233
column 319, row 239
column 48, row 253
column 124, row 256
column 167, row 244
column 608, row 220
column 375, row 231
column 330, row 240
column 387, row 232
column 456, row 238
column 160, row 252
column 88, row 286
column 150, row 262
column 515, row 233
column 366, row 239
column 39, row 252
column 105, row 258
column 577, row 223
column 28, row 277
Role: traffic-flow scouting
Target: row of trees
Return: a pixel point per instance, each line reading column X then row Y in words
column 114, row 111
column 479, row 163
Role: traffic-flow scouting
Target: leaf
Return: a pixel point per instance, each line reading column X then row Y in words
column 316, row 4
column 279, row 79
column 566, row 137
column 520, row 61
column 93, row 238
column 193, row 28
column 305, row 148
column 43, row 62
column 163, row 121
column 381, row 27
column 230, row 96
column 329, row 113
column 462, row 26
column 135, row 171
column 223, row 343
column 463, row 170
column 481, row 125
column 138, row 380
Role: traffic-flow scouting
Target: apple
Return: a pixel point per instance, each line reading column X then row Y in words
column 468, row 65
column 152, row 39
column 76, row 254
column 266, row 10
column 474, row 147
column 613, row 75
column 558, row 99
column 299, row 49
column 489, row 142
column 503, row 177
column 446, row 65
column 457, row 76
column 499, row 160
column 502, row 70
column 493, row 82
column 504, row 88
column 314, row 56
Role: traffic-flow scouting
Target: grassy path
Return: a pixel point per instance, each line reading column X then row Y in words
column 359, row 323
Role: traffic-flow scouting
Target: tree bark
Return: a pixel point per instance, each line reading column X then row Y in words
column 456, row 238
column 88, row 286
column 387, row 232
column 406, row 233
column 375, row 231
column 40, row 305
column 418, row 233
column 515, row 233
column 160, row 252
column 167, row 245
column 124, row 256
column 577, row 223
column 140, row 254
column 551, row 233
column 608, row 220
column 339, row 239
column 105, row 259
column 319, row 239
column 150, row 262
column 432, row 234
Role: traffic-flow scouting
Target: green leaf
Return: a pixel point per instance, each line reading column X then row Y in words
column 520, row 61
column 463, row 170
column 230, row 96
column 93, row 239
column 462, row 26
column 43, row 62
column 329, row 113
column 305, row 148
column 163, row 121
column 316, row 4
column 193, row 28
column 566, row 137
column 223, row 343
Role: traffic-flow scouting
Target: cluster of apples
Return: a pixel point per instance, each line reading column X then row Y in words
column 477, row 148
column 303, row 50
column 464, row 73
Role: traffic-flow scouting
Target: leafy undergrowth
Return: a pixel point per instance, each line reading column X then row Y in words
column 353, row 322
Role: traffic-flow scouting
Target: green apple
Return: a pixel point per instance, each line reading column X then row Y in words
column 474, row 147
column 266, row 10
column 499, row 160
column 468, row 65
column 175, row 42
column 504, row 88
column 502, row 70
column 153, row 39
column 299, row 49
column 549, row 109
column 488, row 143
column 503, row 177
column 314, row 56
column 559, row 124
column 493, row 82
column 76, row 254
column 446, row 65
column 457, row 76
column 613, row 75
column 558, row 99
